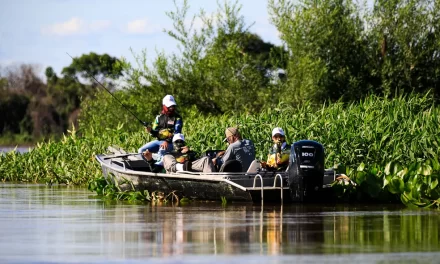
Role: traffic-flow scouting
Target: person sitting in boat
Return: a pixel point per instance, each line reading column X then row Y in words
column 239, row 149
column 279, row 153
column 182, row 159
column 179, row 149
column 164, row 127
column 153, row 164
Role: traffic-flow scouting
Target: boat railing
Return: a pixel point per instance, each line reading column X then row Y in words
column 261, row 185
column 262, row 188
column 281, row 185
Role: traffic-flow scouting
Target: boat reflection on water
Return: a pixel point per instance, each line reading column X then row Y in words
column 278, row 230
column 230, row 230
column 214, row 229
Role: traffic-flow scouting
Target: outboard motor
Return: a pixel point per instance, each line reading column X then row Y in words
column 306, row 170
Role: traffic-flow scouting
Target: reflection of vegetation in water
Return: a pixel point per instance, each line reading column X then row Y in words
column 384, row 232
column 224, row 201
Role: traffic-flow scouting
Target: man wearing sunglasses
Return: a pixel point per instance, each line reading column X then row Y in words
column 182, row 159
column 239, row 149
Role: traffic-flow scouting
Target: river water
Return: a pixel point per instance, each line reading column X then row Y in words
column 58, row 224
column 18, row 149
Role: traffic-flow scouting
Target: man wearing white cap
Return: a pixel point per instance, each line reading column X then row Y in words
column 279, row 153
column 164, row 127
column 182, row 159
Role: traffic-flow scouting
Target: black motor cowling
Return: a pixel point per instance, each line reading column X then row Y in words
column 306, row 170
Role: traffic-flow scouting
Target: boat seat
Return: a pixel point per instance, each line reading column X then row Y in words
column 231, row 166
column 137, row 165
column 254, row 167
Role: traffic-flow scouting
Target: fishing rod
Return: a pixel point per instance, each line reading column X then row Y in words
column 145, row 124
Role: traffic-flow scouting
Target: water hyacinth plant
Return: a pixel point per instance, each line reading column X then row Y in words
column 415, row 185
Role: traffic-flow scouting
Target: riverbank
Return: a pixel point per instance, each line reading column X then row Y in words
column 12, row 140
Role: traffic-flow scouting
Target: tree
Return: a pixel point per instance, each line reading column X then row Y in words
column 51, row 76
column 43, row 109
column 67, row 92
column 94, row 65
column 405, row 37
column 23, row 79
column 326, row 46
column 16, row 105
column 220, row 67
column 19, row 88
column 268, row 55
column 3, row 86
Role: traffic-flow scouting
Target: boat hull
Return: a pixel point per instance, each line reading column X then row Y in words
column 129, row 173
column 191, row 188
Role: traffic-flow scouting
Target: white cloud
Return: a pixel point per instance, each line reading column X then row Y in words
column 75, row 26
column 70, row 27
column 141, row 26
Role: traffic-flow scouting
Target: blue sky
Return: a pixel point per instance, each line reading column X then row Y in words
column 41, row 32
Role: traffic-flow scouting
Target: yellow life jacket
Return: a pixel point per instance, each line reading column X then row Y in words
column 182, row 159
column 164, row 134
column 279, row 158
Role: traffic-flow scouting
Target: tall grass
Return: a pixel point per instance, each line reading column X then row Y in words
column 371, row 131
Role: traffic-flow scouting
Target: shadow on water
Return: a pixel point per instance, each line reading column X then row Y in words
column 70, row 225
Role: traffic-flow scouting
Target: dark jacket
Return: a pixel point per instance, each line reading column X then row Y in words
column 164, row 126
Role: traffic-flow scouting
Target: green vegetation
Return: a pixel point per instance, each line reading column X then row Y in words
column 415, row 185
column 364, row 83
column 379, row 132
column 341, row 50
column 113, row 192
